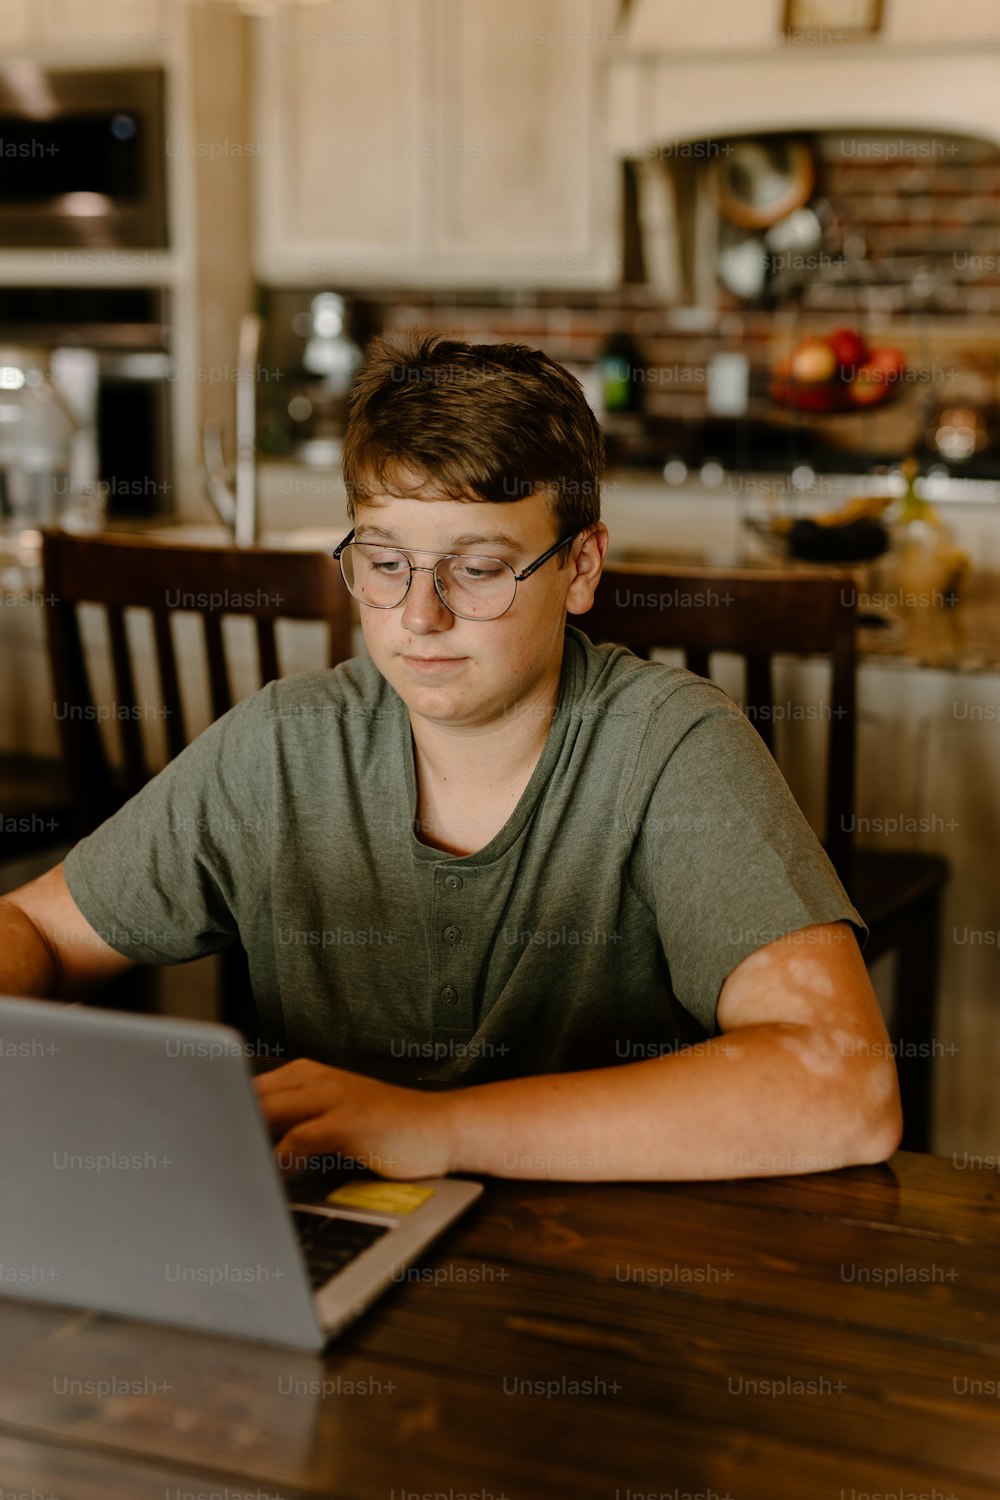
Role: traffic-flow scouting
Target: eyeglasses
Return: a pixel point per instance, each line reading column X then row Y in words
column 472, row 587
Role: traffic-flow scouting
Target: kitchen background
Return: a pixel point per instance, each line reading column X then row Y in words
column 681, row 203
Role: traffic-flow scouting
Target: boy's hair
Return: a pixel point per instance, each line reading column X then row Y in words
column 442, row 420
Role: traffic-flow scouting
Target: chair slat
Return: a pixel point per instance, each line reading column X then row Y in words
column 218, row 676
column 339, row 622
column 169, row 681
column 128, row 723
column 266, row 650
column 840, row 767
column 759, row 696
column 86, row 763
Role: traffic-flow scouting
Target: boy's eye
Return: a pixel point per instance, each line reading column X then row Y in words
column 476, row 572
column 388, row 562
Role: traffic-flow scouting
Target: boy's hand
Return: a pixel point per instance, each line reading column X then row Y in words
column 314, row 1111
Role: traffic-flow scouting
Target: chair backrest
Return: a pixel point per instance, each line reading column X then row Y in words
column 757, row 615
column 122, row 573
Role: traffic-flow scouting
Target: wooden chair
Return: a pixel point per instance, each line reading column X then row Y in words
column 123, row 573
column 36, row 803
column 758, row 615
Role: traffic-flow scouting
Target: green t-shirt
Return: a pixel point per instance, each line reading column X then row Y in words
column 654, row 847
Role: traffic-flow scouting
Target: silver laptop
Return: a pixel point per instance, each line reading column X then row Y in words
column 137, row 1179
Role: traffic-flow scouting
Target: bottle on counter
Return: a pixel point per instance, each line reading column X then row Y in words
column 926, row 562
column 620, row 368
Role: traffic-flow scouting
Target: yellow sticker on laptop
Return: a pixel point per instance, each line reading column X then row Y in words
column 381, row 1197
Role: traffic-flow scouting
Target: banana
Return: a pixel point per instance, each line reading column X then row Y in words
column 863, row 507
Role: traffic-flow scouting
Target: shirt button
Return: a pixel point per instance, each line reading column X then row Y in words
column 454, row 882
column 452, row 934
column 449, row 995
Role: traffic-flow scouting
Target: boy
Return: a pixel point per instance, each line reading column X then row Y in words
column 519, row 904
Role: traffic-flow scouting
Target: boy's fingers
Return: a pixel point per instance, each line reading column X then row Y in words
column 291, row 1158
column 291, row 1107
column 297, row 1074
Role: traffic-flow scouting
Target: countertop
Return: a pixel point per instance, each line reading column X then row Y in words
column 690, row 526
column 962, row 637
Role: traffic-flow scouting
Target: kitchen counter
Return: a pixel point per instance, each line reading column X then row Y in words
column 959, row 637
column 687, row 525
column 964, row 637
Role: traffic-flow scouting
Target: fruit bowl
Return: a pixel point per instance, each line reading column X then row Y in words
column 837, row 372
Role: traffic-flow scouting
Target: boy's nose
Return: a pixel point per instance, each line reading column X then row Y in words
column 423, row 607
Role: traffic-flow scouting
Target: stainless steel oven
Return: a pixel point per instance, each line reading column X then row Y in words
column 82, row 157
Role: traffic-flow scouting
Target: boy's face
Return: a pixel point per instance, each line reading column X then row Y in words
column 490, row 666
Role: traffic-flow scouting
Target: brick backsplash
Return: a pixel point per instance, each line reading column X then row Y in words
column 573, row 328
column 939, row 216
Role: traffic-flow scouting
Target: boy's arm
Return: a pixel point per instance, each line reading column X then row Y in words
column 48, row 950
column 802, row 1080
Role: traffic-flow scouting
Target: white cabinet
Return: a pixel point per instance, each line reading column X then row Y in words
column 340, row 107
column 436, row 143
column 19, row 22
column 94, row 24
column 101, row 22
column 522, row 172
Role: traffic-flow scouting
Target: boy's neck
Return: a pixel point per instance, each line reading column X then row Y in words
column 491, row 755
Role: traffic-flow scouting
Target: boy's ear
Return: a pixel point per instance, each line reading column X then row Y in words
column 587, row 569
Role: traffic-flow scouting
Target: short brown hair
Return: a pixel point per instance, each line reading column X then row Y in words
column 492, row 422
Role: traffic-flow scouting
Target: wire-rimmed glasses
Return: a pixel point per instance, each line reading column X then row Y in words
column 471, row 586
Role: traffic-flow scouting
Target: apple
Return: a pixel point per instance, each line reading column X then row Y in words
column 813, row 362
column 890, row 361
column 868, row 387
column 875, row 379
column 814, row 397
column 849, row 348
column 788, row 392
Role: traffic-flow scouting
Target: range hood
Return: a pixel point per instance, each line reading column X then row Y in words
column 741, row 78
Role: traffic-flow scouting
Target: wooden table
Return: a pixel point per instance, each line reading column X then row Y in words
column 834, row 1335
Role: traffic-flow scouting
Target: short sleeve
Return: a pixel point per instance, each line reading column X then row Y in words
column 723, row 856
column 173, row 874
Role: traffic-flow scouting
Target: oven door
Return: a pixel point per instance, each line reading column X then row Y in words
column 134, row 433
column 82, row 158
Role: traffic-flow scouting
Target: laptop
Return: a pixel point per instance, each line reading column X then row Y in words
column 137, row 1179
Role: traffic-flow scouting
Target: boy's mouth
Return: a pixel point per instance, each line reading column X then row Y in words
column 432, row 663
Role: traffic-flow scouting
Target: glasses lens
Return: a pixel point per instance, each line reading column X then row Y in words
column 477, row 588
column 377, row 576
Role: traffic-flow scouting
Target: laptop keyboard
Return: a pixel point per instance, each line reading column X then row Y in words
column 329, row 1245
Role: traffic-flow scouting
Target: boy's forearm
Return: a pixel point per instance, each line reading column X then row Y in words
column 744, row 1104
column 27, row 966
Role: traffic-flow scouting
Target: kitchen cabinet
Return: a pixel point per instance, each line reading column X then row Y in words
column 81, row 23
column 70, row 21
column 436, row 144
column 340, row 99
column 18, row 22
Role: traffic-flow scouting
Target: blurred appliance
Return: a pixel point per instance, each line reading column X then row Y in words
column 87, row 409
column 332, row 357
column 315, row 338
column 38, row 427
column 84, row 157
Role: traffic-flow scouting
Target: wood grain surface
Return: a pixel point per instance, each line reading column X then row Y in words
column 832, row 1335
